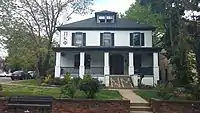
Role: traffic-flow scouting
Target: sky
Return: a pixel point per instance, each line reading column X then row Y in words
column 111, row 5
column 99, row 5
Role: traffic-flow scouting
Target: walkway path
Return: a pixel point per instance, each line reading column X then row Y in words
column 130, row 95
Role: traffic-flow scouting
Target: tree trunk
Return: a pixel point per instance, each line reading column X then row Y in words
column 47, row 58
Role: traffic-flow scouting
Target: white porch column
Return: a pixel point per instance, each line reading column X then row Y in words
column 58, row 64
column 131, row 69
column 106, row 69
column 106, row 63
column 131, row 64
column 82, row 62
column 155, row 67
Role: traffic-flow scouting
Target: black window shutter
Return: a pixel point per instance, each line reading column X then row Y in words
column 87, row 61
column 84, row 39
column 113, row 39
column 76, row 61
column 101, row 39
column 73, row 38
column 131, row 39
column 142, row 39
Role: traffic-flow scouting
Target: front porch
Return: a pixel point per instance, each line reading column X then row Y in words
column 113, row 63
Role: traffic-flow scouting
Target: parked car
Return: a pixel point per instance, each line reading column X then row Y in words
column 32, row 74
column 20, row 75
column 5, row 74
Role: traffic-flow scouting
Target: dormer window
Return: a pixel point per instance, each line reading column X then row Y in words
column 102, row 19
column 109, row 19
column 105, row 17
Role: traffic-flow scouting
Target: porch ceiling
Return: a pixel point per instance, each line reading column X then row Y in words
column 107, row 49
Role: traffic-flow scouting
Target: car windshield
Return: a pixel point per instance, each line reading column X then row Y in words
column 17, row 72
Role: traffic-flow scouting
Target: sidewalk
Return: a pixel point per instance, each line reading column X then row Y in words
column 130, row 95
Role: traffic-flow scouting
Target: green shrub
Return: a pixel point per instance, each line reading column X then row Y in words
column 90, row 87
column 165, row 91
column 87, row 77
column 48, row 79
column 193, row 90
column 76, row 81
column 68, row 90
column 58, row 81
column 143, row 86
column 67, row 78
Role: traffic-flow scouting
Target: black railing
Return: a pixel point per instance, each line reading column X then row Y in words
column 71, row 70
column 95, row 71
column 144, row 71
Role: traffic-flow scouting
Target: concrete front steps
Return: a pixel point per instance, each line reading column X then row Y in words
column 140, row 108
column 120, row 82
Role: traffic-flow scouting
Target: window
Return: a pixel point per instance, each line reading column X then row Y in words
column 78, row 39
column 86, row 63
column 105, row 19
column 102, row 19
column 137, row 39
column 109, row 19
column 107, row 39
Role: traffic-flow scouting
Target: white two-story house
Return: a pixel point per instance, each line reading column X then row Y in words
column 107, row 45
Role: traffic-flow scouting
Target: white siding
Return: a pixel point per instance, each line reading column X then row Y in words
column 122, row 38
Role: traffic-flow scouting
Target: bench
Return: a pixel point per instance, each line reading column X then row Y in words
column 27, row 103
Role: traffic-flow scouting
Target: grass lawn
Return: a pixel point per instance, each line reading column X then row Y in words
column 147, row 94
column 24, row 89
column 26, row 82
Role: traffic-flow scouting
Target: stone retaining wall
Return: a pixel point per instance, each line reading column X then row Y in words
column 81, row 106
column 91, row 106
column 160, row 106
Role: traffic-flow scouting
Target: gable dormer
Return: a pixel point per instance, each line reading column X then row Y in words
column 105, row 16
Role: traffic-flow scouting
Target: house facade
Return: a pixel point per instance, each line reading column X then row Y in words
column 105, row 46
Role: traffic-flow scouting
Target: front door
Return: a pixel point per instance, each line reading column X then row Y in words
column 116, row 64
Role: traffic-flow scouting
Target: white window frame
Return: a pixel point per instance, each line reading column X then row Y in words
column 75, row 39
column 140, row 40
column 107, row 38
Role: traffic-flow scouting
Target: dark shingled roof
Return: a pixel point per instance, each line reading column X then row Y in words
column 105, row 12
column 120, row 24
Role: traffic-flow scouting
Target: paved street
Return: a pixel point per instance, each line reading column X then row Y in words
column 4, row 79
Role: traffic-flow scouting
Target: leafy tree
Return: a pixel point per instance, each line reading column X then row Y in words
column 144, row 14
column 40, row 18
column 170, row 22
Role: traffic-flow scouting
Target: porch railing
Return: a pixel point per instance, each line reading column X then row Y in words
column 71, row 70
column 95, row 71
column 144, row 71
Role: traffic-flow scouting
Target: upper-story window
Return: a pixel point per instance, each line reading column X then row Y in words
column 137, row 39
column 107, row 39
column 78, row 39
column 109, row 19
column 102, row 19
column 105, row 19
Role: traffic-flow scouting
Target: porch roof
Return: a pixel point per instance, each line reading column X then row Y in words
column 107, row 49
